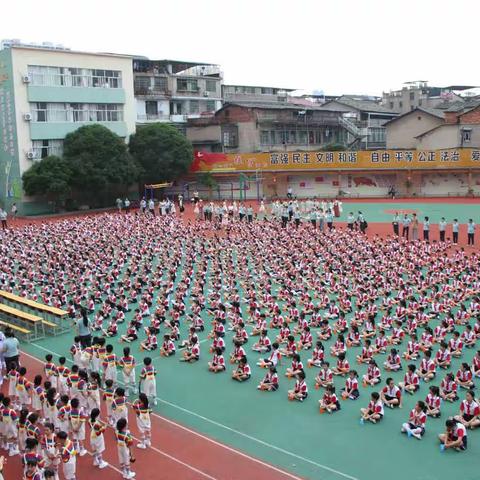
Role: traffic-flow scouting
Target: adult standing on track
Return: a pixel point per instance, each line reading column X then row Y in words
column 3, row 218
column 84, row 332
column 471, row 232
column 10, row 349
column 395, row 222
column 415, row 227
column 455, row 227
column 406, row 226
column 442, row 226
column 426, row 229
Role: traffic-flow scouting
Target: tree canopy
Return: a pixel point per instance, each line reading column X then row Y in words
column 51, row 176
column 162, row 151
column 99, row 159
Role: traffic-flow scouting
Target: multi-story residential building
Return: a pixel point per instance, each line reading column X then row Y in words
column 174, row 91
column 45, row 94
column 365, row 120
column 420, row 94
column 244, row 93
column 267, row 127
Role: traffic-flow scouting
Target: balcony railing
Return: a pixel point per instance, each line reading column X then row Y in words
column 152, row 91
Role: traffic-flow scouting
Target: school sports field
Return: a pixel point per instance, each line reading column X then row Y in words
column 210, row 427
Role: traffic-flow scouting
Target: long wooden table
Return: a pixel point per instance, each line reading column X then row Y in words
column 24, row 319
column 56, row 312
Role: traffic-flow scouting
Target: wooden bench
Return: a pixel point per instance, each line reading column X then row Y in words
column 24, row 320
column 18, row 329
column 53, row 313
column 40, row 307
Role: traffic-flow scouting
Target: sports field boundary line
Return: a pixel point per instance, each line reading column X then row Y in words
column 225, row 427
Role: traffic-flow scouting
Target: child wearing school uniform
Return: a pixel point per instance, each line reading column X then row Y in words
column 373, row 375
column 119, row 405
column 269, row 382
column 391, row 395
column 63, row 411
column 151, row 342
column 9, row 428
column 168, row 347
column 351, row 386
column 109, row 365
column 243, row 371
column 324, row 377
column 374, row 411
column 108, row 394
column 318, row 355
column 411, row 382
column 63, row 375
column 50, row 369
column 77, row 419
column 23, row 387
column 49, row 447
column 97, row 441
column 127, row 364
column 67, row 455
column 12, row 377
column 217, row 364
column 124, row 443
column 433, row 402
column 416, row 421
column 192, row 353
column 329, row 402
column 142, row 412
column 448, row 388
column 300, row 391
column 148, row 384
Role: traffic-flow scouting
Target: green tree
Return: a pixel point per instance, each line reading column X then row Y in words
column 100, row 161
column 208, row 180
column 51, row 177
column 162, row 151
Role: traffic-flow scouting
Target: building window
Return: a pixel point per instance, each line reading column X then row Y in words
column 412, row 96
column 151, row 108
column 265, row 137
column 79, row 112
column 187, row 85
column 466, row 136
column 194, row 106
column 45, row 148
column 391, row 105
column 76, row 112
column 160, row 84
column 39, row 112
column 211, row 86
column 142, row 84
column 41, row 75
column 420, row 102
column 230, row 139
column 210, row 106
column 400, row 104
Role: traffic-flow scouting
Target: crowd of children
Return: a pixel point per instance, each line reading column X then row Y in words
column 45, row 420
column 288, row 292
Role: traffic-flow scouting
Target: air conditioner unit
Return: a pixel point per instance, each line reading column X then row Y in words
column 27, row 117
column 26, row 79
column 30, row 154
column 206, row 94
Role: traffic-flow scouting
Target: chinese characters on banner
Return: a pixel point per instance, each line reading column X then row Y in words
column 355, row 160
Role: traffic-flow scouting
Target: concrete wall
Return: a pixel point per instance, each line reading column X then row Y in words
column 402, row 132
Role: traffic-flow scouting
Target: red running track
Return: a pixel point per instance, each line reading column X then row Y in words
column 177, row 452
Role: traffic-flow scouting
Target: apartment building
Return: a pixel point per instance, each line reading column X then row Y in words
column 420, row 94
column 267, row 127
column 46, row 93
column 175, row 91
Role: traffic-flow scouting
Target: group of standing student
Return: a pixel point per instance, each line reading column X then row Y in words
column 47, row 419
column 408, row 227
column 378, row 295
